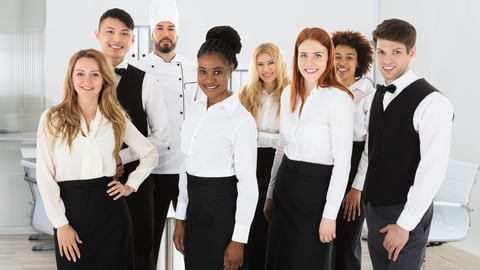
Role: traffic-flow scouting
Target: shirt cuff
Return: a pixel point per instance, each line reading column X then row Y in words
column 59, row 221
column 330, row 212
column 181, row 211
column 240, row 233
column 407, row 222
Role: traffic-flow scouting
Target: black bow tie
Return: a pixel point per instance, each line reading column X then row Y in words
column 121, row 71
column 390, row 88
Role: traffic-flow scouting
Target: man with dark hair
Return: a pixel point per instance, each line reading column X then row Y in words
column 140, row 95
column 177, row 77
column 406, row 155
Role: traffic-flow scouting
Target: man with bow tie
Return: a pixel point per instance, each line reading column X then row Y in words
column 406, row 154
column 139, row 94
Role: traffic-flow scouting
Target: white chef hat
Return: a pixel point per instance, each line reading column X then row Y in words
column 163, row 11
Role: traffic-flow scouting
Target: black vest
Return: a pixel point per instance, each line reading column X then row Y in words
column 393, row 146
column 129, row 94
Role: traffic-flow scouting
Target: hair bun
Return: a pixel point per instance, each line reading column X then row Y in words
column 227, row 35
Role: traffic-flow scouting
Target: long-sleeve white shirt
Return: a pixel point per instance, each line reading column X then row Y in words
column 177, row 80
column 322, row 134
column 268, row 121
column 432, row 120
column 153, row 102
column 361, row 89
column 221, row 141
column 89, row 157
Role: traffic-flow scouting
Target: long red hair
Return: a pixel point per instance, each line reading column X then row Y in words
column 327, row 79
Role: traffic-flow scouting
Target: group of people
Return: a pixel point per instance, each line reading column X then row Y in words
column 278, row 175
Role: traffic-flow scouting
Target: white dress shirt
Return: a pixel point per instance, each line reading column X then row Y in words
column 361, row 89
column 91, row 156
column 322, row 134
column 268, row 121
column 153, row 102
column 221, row 141
column 177, row 80
column 432, row 120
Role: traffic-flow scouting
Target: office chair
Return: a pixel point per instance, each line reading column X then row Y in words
column 40, row 221
column 451, row 212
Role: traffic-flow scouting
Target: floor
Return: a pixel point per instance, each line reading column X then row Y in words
column 16, row 254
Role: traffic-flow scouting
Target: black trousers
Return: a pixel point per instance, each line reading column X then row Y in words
column 103, row 224
column 257, row 240
column 165, row 191
column 347, row 245
column 298, row 201
column 412, row 255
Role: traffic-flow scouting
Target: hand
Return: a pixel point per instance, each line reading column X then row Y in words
column 351, row 204
column 118, row 189
column 395, row 239
column 267, row 209
column 119, row 170
column 179, row 236
column 326, row 230
column 233, row 258
column 68, row 241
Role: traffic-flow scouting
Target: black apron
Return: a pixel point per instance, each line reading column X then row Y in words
column 103, row 224
column 298, row 201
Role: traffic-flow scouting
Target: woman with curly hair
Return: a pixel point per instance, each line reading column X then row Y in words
column 353, row 59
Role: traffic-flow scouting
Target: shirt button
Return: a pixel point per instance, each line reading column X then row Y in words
column 168, row 148
column 181, row 112
column 153, row 66
column 181, row 95
column 179, row 79
column 178, row 64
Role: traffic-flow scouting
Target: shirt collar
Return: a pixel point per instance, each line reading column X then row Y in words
column 123, row 64
column 363, row 85
column 229, row 104
column 405, row 80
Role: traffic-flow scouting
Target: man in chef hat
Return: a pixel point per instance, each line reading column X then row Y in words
column 177, row 78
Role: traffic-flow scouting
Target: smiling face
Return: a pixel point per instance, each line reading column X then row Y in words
column 87, row 79
column 393, row 60
column 165, row 37
column 267, row 70
column 212, row 75
column 346, row 63
column 312, row 61
column 115, row 39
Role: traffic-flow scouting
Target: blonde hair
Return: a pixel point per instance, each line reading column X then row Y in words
column 64, row 120
column 250, row 93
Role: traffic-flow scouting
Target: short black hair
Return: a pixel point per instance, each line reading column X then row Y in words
column 119, row 14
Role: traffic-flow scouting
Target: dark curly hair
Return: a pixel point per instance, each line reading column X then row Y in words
column 223, row 40
column 361, row 44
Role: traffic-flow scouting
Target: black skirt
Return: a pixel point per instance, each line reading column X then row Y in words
column 257, row 239
column 210, row 221
column 101, row 223
column 298, row 201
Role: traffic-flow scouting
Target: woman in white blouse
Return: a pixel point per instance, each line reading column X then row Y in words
column 77, row 143
column 353, row 59
column 218, row 188
column 268, row 77
column 311, row 168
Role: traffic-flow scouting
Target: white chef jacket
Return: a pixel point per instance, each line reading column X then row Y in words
column 177, row 79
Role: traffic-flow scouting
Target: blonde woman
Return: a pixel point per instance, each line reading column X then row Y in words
column 77, row 143
column 261, row 97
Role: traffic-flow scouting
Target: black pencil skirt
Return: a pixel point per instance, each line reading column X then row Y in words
column 102, row 224
column 298, row 201
column 210, row 221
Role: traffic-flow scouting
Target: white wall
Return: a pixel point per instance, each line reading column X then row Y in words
column 446, row 45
